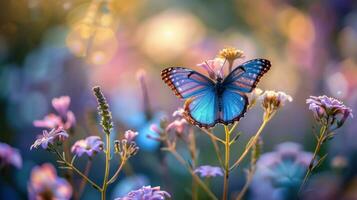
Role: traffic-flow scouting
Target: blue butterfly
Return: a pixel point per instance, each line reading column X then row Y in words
column 209, row 101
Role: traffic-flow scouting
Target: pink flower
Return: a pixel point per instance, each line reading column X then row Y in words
column 61, row 105
column 130, row 135
column 10, row 156
column 178, row 113
column 50, row 137
column 65, row 117
column 90, row 146
column 45, row 184
column 214, row 68
column 178, row 126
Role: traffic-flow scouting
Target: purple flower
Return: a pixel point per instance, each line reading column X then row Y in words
column 327, row 108
column 45, row 184
column 146, row 193
column 209, row 171
column 130, row 135
column 9, row 156
column 65, row 119
column 90, row 146
column 214, row 68
column 279, row 171
column 50, row 137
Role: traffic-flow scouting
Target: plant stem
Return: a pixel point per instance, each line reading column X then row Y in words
column 252, row 142
column 107, row 167
column 76, row 170
column 83, row 181
column 320, row 141
column 116, row 174
column 247, row 183
column 226, row 164
column 213, row 136
column 198, row 180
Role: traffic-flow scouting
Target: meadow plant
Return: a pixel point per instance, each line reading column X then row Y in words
column 44, row 183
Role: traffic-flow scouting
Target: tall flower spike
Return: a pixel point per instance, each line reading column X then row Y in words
column 103, row 110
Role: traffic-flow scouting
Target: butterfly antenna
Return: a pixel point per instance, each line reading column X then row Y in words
column 220, row 70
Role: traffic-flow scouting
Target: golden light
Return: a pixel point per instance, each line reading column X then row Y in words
column 165, row 36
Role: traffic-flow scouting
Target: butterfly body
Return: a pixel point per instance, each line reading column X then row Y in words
column 208, row 101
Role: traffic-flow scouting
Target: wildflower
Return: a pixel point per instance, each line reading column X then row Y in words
column 178, row 113
column 10, row 156
column 209, row 171
column 129, row 183
column 45, row 184
column 91, row 145
column 125, row 148
column 253, row 96
column 214, row 68
column 146, row 193
column 51, row 137
column 178, row 126
column 130, row 135
column 329, row 110
column 272, row 101
column 285, row 167
column 231, row 54
column 65, row 119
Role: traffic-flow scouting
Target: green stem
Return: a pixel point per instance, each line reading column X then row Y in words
column 116, row 174
column 107, row 167
column 311, row 167
column 252, row 141
column 226, row 164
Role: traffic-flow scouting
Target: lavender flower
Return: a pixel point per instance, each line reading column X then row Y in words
column 45, row 184
column 214, row 68
column 329, row 110
column 9, row 156
column 91, row 145
column 65, row 119
column 130, row 135
column 50, row 137
column 146, row 193
column 209, row 171
column 281, row 170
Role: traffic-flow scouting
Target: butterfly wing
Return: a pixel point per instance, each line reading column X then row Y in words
column 186, row 83
column 245, row 77
column 201, row 104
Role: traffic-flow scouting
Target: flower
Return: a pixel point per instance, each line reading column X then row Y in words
column 90, row 146
column 65, row 119
column 10, row 156
column 213, row 67
column 45, row 184
column 146, row 193
column 230, row 54
column 178, row 113
column 130, row 135
column 209, row 171
column 254, row 96
column 50, row 137
column 178, row 126
column 281, row 169
column 272, row 100
column 61, row 105
column 327, row 108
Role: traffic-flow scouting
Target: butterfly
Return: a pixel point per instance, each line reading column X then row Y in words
column 220, row 100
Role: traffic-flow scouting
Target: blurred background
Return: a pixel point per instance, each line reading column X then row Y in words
column 65, row 47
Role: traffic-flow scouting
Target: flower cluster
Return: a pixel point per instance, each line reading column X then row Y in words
column 146, row 193
column 9, row 156
column 55, row 135
column 45, row 184
column 329, row 111
column 213, row 67
column 272, row 101
column 127, row 146
column 179, row 125
column 286, row 166
column 209, row 171
column 90, row 146
column 65, row 117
